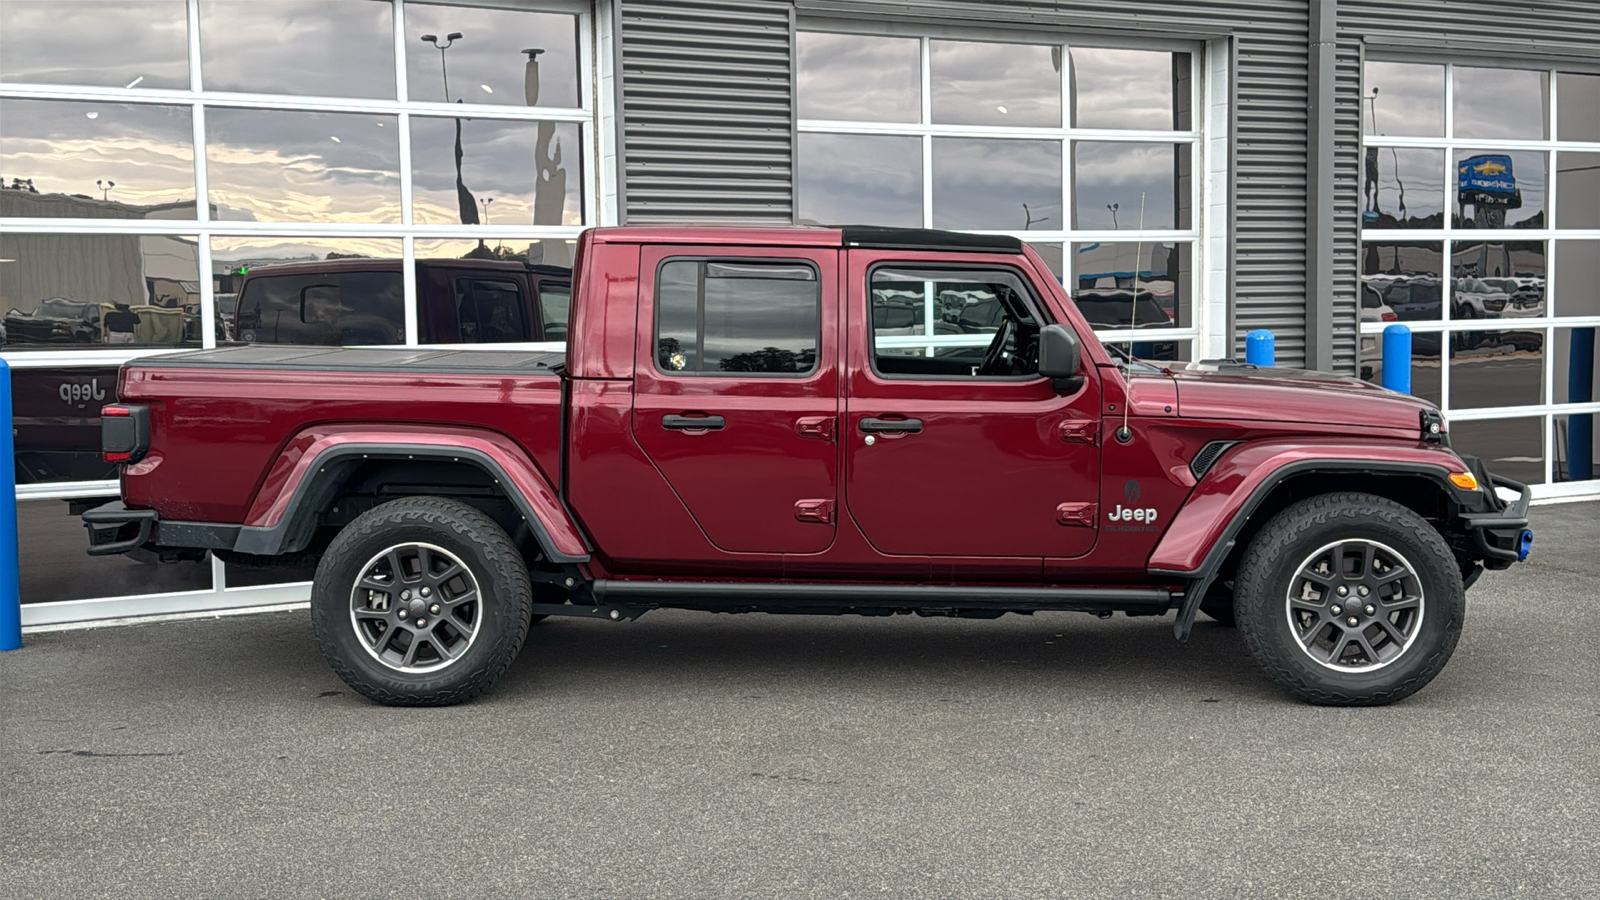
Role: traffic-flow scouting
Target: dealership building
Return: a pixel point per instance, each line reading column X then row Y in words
column 1192, row 171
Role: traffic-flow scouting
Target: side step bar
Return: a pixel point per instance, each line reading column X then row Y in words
column 731, row 596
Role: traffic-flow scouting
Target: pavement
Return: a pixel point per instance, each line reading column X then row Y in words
column 696, row 755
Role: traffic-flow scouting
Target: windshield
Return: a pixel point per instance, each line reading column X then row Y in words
column 58, row 308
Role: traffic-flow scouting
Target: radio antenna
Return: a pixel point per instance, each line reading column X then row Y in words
column 1123, row 434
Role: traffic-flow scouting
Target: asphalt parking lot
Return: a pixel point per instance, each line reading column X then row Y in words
column 692, row 755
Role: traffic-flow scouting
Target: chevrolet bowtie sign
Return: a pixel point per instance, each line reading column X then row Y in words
column 1486, row 174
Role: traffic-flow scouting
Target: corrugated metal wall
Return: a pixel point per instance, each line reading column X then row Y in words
column 707, row 110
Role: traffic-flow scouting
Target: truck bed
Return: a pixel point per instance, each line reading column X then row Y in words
column 221, row 418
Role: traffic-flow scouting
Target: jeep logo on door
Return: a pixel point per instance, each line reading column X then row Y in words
column 77, row 393
column 1132, row 516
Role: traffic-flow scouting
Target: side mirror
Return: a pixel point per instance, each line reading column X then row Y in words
column 1060, row 352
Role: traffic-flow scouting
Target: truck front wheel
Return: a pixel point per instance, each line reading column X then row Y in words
column 1349, row 599
column 422, row 601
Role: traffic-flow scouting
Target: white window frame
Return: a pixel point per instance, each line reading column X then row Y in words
column 595, row 117
column 1547, row 325
column 1207, row 140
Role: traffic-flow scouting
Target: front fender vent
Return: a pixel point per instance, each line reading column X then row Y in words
column 1208, row 455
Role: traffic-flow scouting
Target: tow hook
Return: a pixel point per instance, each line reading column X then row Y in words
column 1524, row 544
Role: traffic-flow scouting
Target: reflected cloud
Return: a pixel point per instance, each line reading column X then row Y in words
column 1409, row 99
column 983, row 184
column 1118, row 173
column 995, row 84
column 501, row 160
column 103, row 43
column 1126, row 88
column 1501, row 103
column 279, row 165
column 489, row 62
column 860, row 179
column 865, row 78
column 146, row 149
column 298, row 47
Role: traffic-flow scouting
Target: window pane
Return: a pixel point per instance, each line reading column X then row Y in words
column 995, row 84
column 1577, row 273
column 945, row 324
column 291, row 166
column 553, row 252
column 1140, row 89
column 1158, row 351
column 758, row 317
column 1513, row 448
column 1577, row 107
column 1053, row 257
column 1103, row 281
column 1497, row 280
column 298, row 47
column 54, row 566
column 1402, row 280
column 1401, row 188
column 492, row 58
column 1000, row 184
column 1501, row 103
column 1403, row 99
column 96, row 160
column 1496, row 368
column 278, row 321
column 1574, row 381
column 62, row 291
column 1500, row 189
column 1566, row 468
column 1425, row 368
column 864, row 78
column 104, row 43
column 511, row 173
column 490, row 311
column 860, row 180
column 1578, row 181
column 1110, row 180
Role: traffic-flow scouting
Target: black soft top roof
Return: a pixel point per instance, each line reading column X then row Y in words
column 927, row 239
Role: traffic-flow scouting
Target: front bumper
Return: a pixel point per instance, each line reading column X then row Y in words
column 1501, row 536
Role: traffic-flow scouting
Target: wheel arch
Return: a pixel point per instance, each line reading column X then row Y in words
column 321, row 466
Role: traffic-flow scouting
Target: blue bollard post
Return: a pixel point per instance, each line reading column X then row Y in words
column 1397, row 358
column 10, row 580
column 1580, row 389
column 1261, row 348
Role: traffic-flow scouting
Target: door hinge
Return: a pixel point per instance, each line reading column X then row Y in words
column 1077, row 514
column 1078, row 431
column 814, row 511
column 819, row 427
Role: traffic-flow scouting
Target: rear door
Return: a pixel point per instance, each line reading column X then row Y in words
column 736, row 390
column 953, row 443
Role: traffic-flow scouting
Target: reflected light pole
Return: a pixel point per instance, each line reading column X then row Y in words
column 1114, row 207
column 485, row 204
column 105, row 187
column 1028, row 220
column 449, row 41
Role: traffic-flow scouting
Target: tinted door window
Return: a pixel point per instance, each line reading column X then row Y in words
column 555, row 300
column 722, row 317
column 491, row 311
column 329, row 309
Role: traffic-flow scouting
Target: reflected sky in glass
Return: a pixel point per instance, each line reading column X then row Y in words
column 1501, row 103
column 265, row 250
column 554, row 252
column 500, row 160
column 1053, row 258
column 983, row 183
column 1409, row 99
column 1578, row 180
column 1404, row 187
column 1528, row 171
column 310, row 47
column 104, row 43
column 1125, row 88
column 860, row 180
column 292, row 166
column 1577, row 107
column 487, row 64
column 864, row 78
column 1107, row 174
column 995, row 84
column 64, row 147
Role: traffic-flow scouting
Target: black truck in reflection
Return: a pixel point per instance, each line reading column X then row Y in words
column 56, row 411
column 54, row 321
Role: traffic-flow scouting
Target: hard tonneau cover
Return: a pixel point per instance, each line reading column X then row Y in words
column 377, row 359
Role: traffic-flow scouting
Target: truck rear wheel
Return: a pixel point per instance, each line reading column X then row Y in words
column 423, row 601
column 1349, row 600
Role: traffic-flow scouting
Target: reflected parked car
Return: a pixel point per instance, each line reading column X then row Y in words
column 55, row 321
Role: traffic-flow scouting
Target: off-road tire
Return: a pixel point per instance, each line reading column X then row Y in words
column 1273, row 562
column 483, row 549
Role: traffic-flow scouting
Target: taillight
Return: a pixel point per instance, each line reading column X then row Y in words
column 1390, row 317
column 124, row 432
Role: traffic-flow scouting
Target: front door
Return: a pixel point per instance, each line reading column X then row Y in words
column 736, row 391
column 954, row 445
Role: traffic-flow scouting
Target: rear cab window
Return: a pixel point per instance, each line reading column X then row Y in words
column 490, row 311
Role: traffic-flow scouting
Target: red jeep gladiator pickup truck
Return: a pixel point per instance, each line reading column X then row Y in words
column 814, row 420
